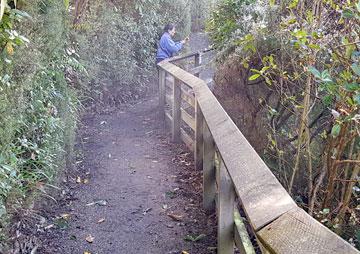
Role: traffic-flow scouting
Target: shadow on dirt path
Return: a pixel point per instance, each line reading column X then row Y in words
column 132, row 191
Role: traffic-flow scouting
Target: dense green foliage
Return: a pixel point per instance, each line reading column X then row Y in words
column 200, row 12
column 37, row 103
column 299, row 66
column 117, row 42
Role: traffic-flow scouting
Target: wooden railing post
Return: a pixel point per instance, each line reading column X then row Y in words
column 162, row 81
column 198, row 59
column 199, row 120
column 226, row 201
column 176, row 110
column 241, row 236
column 209, row 172
column 197, row 62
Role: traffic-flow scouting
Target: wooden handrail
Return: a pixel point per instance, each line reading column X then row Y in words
column 279, row 225
column 188, row 55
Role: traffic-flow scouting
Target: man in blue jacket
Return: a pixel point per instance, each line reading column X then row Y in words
column 167, row 47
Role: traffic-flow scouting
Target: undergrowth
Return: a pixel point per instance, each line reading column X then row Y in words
column 38, row 103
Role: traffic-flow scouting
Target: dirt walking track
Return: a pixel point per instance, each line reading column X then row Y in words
column 141, row 193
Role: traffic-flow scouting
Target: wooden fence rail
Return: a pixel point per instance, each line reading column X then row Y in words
column 234, row 174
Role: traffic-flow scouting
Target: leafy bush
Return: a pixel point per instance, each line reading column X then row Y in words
column 200, row 11
column 118, row 41
column 38, row 108
column 299, row 68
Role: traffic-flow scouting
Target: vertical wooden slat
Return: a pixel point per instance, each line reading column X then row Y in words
column 197, row 63
column 197, row 59
column 209, row 176
column 176, row 123
column 199, row 120
column 226, row 201
column 162, row 93
column 242, row 238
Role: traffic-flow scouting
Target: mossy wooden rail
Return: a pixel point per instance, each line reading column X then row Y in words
column 234, row 175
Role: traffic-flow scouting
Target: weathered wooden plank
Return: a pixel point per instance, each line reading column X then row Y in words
column 188, row 119
column 262, row 196
column 209, row 176
column 169, row 80
column 197, row 59
column 169, row 99
column 225, row 211
column 187, row 97
column 162, row 93
column 297, row 232
column 242, row 238
column 176, row 113
column 189, row 142
column 197, row 70
column 168, row 119
column 189, row 55
column 184, row 76
column 262, row 248
column 182, row 57
column 199, row 121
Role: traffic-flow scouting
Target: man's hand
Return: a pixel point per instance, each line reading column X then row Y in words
column 186, row 40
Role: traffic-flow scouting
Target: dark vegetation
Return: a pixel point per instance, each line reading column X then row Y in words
column 38, row 103
column 288, row 73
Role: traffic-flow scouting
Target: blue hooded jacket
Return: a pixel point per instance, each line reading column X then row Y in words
column 167, row 47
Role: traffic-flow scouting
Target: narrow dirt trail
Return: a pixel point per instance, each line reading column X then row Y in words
column 140, row 178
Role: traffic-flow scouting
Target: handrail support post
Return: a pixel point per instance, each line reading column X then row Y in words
column 226, row 202
column 209, row 172
column 199, row 121
column 162, row 76
column 176, row 110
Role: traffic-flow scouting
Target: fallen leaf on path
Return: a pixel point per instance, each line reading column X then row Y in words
column 49, row 227
column 147, row 210
column 184, row 252
column 87, row 252
column 86, row 181
column 65, row 216
column 98, row 202
column 194, row 238
column 90, row 239
column 170, row 194
column 78, row 179
column 175, row 217
column 61, row 223
column 101, row 220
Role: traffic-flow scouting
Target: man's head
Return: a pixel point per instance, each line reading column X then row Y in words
column 170, row 28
